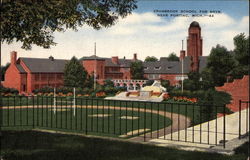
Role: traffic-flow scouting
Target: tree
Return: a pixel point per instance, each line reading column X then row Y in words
column 220, row 63
column 3, row 70
column 241, row 51
column 193, row 82
column 109, row 83
column 173, row 57
column 166, row 84
column 89, row 83
column 137, row 70
column 150, row 59
column 34, row 21
column 74, row 74
column 241, row 55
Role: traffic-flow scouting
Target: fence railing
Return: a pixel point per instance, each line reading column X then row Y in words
column 135, row 120
column 243, row 105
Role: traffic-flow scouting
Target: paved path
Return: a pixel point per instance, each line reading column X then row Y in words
column 209, row 133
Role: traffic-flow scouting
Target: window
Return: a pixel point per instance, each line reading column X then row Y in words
column 37, row 77
column 180, row 77
column 169, row 67
column 44, row 77
column 59, row 76
column 24, row 88
column 145, row 68
column 37, row 86
column 153, row 76
column 51, row 77
column 157, row 68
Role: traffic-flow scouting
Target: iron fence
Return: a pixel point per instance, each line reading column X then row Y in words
column 135, row 120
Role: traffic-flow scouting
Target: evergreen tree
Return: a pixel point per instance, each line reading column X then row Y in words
column 193, row 82
column 74, row 74
column 241, row 55
column 137, row 70
column 173, row 57
column 150, row 59
column 220, row 63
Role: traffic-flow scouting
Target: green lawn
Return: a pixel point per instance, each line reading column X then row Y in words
column 196, row 113
column 30, row 145
column 105, row 122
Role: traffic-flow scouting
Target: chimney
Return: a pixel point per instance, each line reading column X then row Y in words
column 135, row 57
column 182, row 54
column 115, row 60
column 51, row 58
column 13, row 56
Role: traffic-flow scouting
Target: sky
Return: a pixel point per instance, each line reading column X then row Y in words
column 146, row 33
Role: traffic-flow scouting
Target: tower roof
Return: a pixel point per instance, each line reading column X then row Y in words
column 194, row 24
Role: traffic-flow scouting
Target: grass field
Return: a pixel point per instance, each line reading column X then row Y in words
column 196, row 113
column 30, row 145
column 101, row 121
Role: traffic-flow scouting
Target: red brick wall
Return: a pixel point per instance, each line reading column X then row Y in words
column 171, row 78
column 90, row 65
column 194, row 46
column 126, row 73
column 12, row 78
column 239, row 90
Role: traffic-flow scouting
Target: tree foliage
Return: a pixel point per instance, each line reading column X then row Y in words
column 193, row 82
column 173, row 57
column 137, row 70
column 220, row 63
column 34, row 21
column 3, row 70
column 241, row 51
column 74, row 74
column 150, row 59
column 241, row 55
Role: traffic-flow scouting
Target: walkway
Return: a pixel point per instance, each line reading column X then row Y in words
column 205, row 134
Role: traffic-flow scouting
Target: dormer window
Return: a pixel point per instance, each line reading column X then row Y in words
column 169, row 67
column 157, row 68
column 145, row 68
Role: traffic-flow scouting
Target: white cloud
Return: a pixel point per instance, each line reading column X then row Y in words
column 142, row 33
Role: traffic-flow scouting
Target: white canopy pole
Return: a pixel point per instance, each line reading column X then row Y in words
column 54, row 109
column 74, row 101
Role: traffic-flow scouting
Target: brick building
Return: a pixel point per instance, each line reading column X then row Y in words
column 27, row 74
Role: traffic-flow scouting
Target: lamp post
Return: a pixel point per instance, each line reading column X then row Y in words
column 182, row 78
column 95, row 68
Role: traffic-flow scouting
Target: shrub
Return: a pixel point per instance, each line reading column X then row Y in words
column 149, row 82
column 8, row 91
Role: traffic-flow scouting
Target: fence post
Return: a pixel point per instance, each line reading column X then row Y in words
column 224, row 126
column 239, row 119
column 54, row 108
column 74, row 101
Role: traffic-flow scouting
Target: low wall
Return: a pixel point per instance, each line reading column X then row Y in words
column 239, row 90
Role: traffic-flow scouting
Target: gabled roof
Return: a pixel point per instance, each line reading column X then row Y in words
column 20, row 68
column 93, row 57
column 43, row 65
column 167, row 67
column 203, row 62
column 121, row 63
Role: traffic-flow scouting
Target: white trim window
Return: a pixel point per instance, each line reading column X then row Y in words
column 157, row 68
column 181, row 77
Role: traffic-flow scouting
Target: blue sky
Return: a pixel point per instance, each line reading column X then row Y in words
column 147, row 34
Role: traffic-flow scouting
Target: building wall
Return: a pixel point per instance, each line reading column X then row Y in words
column 126, row 73
column 92, row 65
column 239, row 90
column 41, row 80
column 12, row 78
column 194, row 46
